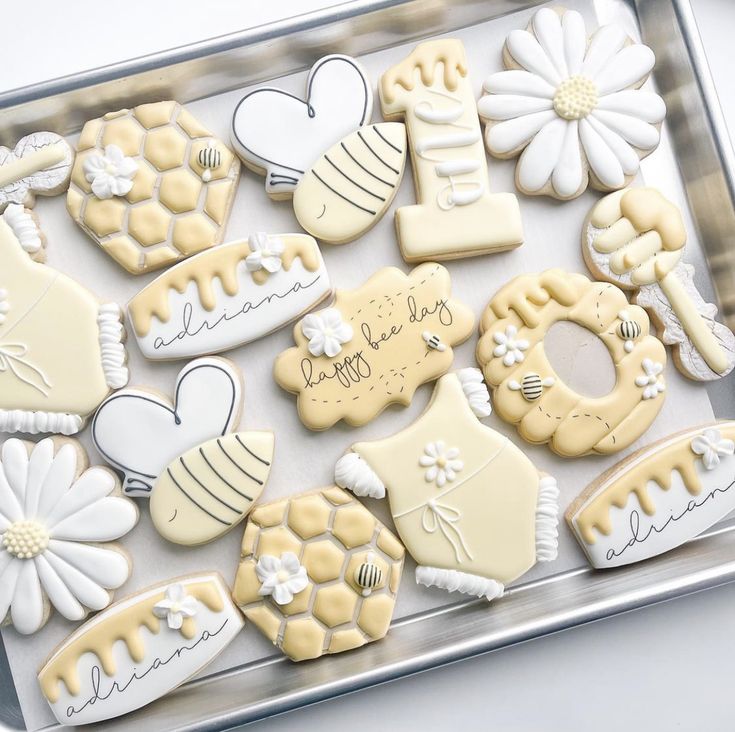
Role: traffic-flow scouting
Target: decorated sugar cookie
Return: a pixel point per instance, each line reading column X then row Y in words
column 40, row 164
column 455, row 214
column 229, row 296
column 61, row 350
column 528, row 393
column 139, row 649
column 281, row 136
column 151, row 185
column 636, row 239
column 470, row 507
column 571, row 108
column 374, row 346
column 57, row 516
column 657, row 498
column 318, row 574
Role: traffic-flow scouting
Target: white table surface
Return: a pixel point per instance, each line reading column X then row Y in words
column 643, row 670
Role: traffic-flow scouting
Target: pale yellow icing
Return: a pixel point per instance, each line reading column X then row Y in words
column 40, row 159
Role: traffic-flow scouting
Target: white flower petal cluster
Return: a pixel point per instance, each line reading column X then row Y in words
column 712, row 446
column 176, row 606
column 326, row 331
column 442, row 464
column 509, row 347
column 651, row 381
column 265, row 253
column 281, row 577
column 111, row 174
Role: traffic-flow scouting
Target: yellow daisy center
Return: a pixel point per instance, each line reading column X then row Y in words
column 25, row 539
column 575, row 97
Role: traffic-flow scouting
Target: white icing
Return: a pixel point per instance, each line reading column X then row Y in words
column 433, row 341
column 509, row 348
column 140, row 432
column 112, row 336
column 476, row 392
column 326, row 332
column 176, row 606
column 266, row 253
column 572, row 106
column 442, row 464
column 111, row 174
column 34, row 423
column 24, row 227
column 453, row 581
column 712, row 447
column 354, row 474
column 4, row 305
column 281, row 577
column 651, row 381
column 547, row 520
column 14, row 360
column 42, row 501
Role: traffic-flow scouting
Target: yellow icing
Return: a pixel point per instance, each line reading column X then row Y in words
column 40, row 159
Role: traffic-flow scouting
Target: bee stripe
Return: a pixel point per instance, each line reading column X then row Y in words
column 226, row 482
column 369, row 575
column 354, row 182
column 196, row 503
column 367, row 145
column 360, row 165
column 250, row 452
column 531, row 387
column 387, row 142
column 209, row 157
column 205, row 489
column 239, row 467
column 629, row 329
column 337, row 193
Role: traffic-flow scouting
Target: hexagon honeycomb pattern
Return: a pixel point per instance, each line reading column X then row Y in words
column 175, row 208
column 332, row 534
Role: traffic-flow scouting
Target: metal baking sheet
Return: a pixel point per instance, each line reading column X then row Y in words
column 694, row 163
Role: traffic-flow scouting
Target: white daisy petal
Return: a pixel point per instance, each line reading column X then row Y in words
column 281, row 594
column 628, row 157
column 11, row 509
column 510, row 106
column 637, row 133
column 27, row 608
column 518, row 82
column 575, row 41
column 58, row 478
column 541, row 156
column 643, row 105
column 628, row 67
column 104, row 520
column 93, row 485
column 604, row 44
column 547, row 28
column 8, row 581
column 515, row 133
column 89, row 593
column 601, row 159
column 107, row 567
column 15, row 467
column 567, row 175
column 432, row 473
column 58, row 593
column 290, row 562
column 527, row 52
column 38, row 465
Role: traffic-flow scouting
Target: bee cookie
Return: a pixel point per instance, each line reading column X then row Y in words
column 57, row 517
column 571, row 108
column 455, row 214
column 61, row 350
column 374, row 346
column 318, row 574
column 140, row 649
column 528, row 393
column 635, row 238
column 151, row 185
column 229, row 296
column 658, row 497
column 281, row 136
column 470, row 507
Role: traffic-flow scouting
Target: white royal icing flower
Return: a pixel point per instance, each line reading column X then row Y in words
column 571, row 105
column 176, row 606
column 711, row 445
column 282, row 578
column 4, row 305
column 509, row 347
column 53, row 527
column 442, row 464
column 326, row 332
column 265, row 253
column 650, row 382
column 111, row 174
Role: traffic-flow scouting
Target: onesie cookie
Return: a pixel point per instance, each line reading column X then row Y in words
column 61, row 350
column 140, row 649
column 470, row 507
column 374, row 346
column 57, row 517
column 229, row 296
column 572, row 109
column 318, row 574
column 281, row 136
column 658, row 497
column 635, row 238
column 528, row 393
column 151, row 185
column 455, row 214
column 40, row 164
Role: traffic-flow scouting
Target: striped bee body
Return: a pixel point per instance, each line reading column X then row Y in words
column 629, row 330
column 532, row 386
column 209, row 158
column 433, row 341
column 211, row 488
column 369, row 576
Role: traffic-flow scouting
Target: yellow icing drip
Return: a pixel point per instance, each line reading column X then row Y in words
column 221, row 263
column 648, row 210
column 115, row 626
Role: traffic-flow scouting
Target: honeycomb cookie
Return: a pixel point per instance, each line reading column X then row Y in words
column 151, row 185
column 318, row 574
column 528, row 393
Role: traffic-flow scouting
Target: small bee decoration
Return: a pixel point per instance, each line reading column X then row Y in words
column 368, row 575
column 628, row 330
column 531, row 386
column 209, row 158
column 433, row 341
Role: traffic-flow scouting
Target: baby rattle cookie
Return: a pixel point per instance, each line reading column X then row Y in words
column 470, row 507
column 58, row 517
column 455, row 214
column 281, row 136
column 61, row 350
column 140, row 649
column 318, row 574
column 528, row 393
column 374, row 346
column 657, row 498
column 635, row 238
column 572, row 109
column 151, row 185
column 229, row 296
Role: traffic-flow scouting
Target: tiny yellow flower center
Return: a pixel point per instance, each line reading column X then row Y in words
column 282, row 576
column 111, row 168
column 441, row 462
column 25, row 539
column 575, row 97
column 175, row 608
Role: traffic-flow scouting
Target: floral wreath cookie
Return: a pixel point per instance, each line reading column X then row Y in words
column 470, row 507
column 635, row 238
column 528, row 393
column 56, row 519
column 657, row 498
column 572, row 108
column 318, row 574
column 61, row 350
